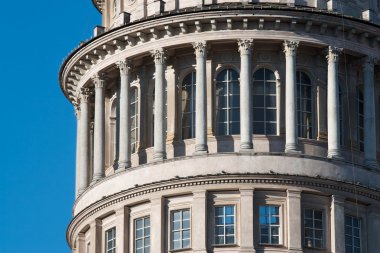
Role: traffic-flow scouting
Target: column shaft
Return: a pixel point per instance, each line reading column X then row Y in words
column 125, row 131
column 333, row 103
column 369, row 114
column 337, row 224
column 290, row 49
column 159, row 105
column 201, row 102
column 99, row 151
column 199, row 222
column 245, row 48
column 84, row 151
column 294, row 221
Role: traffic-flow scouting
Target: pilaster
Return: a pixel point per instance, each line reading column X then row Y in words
column 199, row 221
column 337, row 224
column 294, row 221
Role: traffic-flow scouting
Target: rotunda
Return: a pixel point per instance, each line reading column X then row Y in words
column 227, row 126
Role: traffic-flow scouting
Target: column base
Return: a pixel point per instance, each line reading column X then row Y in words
column 371, row 163
column 201, row 149
column 248, row 146
column 159, row 156
column 334, row 154
column 123, row 165
column 292, row 148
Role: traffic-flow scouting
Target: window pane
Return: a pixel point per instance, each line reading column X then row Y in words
column 219, row 230
column 186, row 224
column 259, row 74
column 258, row 101
column 176, row 225
column 186, row 234
column 176, row 216
column 186, row 243
column 230, row 239
column 270, row 101
column 258, row 88
column 258, row 128
column 230, row 230
column 186, row 214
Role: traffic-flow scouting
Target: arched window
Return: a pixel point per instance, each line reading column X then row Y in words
column 134, row 113
column 304, row 106
column 188, row 106
column 227, row 99
column 264, row 102
column 360, row 119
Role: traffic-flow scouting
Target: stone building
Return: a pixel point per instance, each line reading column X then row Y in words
column 227, row 126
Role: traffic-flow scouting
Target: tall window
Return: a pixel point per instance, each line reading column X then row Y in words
column 227, row 103
column 313, row 228
column 111, row 240
column 188, row 106
column 269, row 224
column 264, row 102
column 352, row 231
column 224, row 225
column 134, row 113
column 304, row 106
column 142, row 235
column 180, row 227
column 360, row 120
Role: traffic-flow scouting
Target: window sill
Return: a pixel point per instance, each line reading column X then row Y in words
column 224, row 245
column 180, row 250
column 266, row 245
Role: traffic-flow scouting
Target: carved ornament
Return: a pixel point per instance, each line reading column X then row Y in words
column 159, row 56
column 333, row 54
column 200, row 48
column 290, row 47
column 245, row 46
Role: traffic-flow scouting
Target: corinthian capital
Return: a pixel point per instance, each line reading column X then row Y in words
column 200, row 48
column 245, row 46
column 98, row 80
column 84, row 95
column 290, row 47
column 159, row 56
column 368, row 63
column 333, row 54
column 124, row 66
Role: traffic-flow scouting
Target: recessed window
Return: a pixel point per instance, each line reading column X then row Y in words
column 264, row 102
column 353, row 234
column 269, row 224
column 188, row 106
column 227, row 101
column 180, row 229
column 110, row 240
column 224, row 225
column 142, row 235
column 314, row 228
column 304, row 106
column 360, row 119
column 134, row 119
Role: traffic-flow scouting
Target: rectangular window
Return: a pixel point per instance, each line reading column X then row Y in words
column 352, row 231
column 111, row 240
column 180, row 229
column 224, row 225
column 269, row 224
column 313, row 228
column 142, row 235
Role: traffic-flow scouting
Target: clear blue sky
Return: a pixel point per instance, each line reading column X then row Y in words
column 37, row 124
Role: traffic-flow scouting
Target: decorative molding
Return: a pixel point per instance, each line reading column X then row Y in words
column 245, row 46
column 124, row 66
column 85, row 95
column 290, row 47
column 159, row 56
column 200, row 48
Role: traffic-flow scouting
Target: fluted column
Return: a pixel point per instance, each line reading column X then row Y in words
column 125, row 124
column 333, row 103
column 159, row 106
column 99, row 122
column 83, row 141
column 245, row 49
column 290, row 50
column 369, row 114
column 200, row 97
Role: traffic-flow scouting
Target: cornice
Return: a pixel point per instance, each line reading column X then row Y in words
column 114, row 42
column 226, row 179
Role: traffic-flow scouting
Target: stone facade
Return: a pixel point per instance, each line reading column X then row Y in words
column 253, row 124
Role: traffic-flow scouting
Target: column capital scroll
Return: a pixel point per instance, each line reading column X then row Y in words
column 290, row 47
column 124, row 66
column 98, row 80
column 159, row 55
column 200, row 48
column 245, row 46
column 85, row 94
column 333, row 54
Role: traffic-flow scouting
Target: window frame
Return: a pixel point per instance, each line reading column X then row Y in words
column 360, row 221
column 224, row 225
column 144, row 237
column 107, row 240
column 136, row 116
column 280, row 226
column 299, row 112
column 314, row 228
column 171, row 230
column 192, row 112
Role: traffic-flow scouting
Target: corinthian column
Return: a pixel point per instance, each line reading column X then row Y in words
column 369, row 114
column 245, row 49
column 99, row 150
column 333, row 103
column 201, row 103
column 125, row 131
column 290, row 50
column 83, row 141
column 159, row 142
